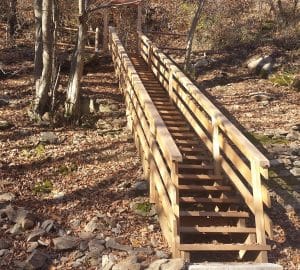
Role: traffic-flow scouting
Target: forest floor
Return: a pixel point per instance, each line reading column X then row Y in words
column 90, row 173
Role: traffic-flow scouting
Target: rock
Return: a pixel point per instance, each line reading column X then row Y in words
column 27, row 224
column 296, row 127
column 295, row 171
column 143, row 250
column 65, row 243
column 92, row 225
column 48, row 138
column 296, row 83
column 83, row 246
column 156, row 265
column 86, row 235
column 48, row 225
column 108, row 262
column 58, row 195
column 3, row 102
column 96, row 246
column 4, row 244
column 7, row 197
column 161, row 254
column 36, row 260
column 293, row 135
column 35, row 235
column 32, row 246
column 16, row 229
column 128, row 264
column 297, row 163
column 8, row 212
column 5, row 125
column 141, row 187
column 174, row 264
column 261, row 97
column 261, row 63
column 111, row 243
column 3, row 252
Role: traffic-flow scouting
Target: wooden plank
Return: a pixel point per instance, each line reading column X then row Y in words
column 242, row 167
column 193, row 188
column 258, row 210
column 217, row 229
column 209, row 200
column 229, row 214
column 195, row 166
column 200, row 177
column 223, row 247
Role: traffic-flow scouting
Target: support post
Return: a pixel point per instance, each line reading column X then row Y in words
column 97, row 40
column 216, row 147
column 175, row 207
column 150, row 51
column 105, row 31
column 258, row 210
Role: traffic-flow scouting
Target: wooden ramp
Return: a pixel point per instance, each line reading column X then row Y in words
column 205, row 176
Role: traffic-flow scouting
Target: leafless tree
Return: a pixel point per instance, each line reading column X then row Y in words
column 192, row 33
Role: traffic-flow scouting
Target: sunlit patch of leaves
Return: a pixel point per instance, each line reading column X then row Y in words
column 144, row 207
column 44, row 187
column 67, row 169
column 40, row 150
column 282, row 79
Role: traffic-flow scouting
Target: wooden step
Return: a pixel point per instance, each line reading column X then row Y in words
column 173, row 121
column 188, row 158
column 182, row 128
column 183, row 135
column 191, row 149
column 195, row 167
column 223, row 247
column 187, row 142
column 199, row 177
column 217, row 229
column 228, row 214
column 204, row 188
column 209, row 200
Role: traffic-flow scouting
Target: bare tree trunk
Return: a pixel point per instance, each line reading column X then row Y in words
column 42, row 92
column 12, row 20
column 38, row 56
column 192, row 34
column 72, row 106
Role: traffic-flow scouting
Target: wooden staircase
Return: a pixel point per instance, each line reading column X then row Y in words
column 212, row 217
column 209, row 198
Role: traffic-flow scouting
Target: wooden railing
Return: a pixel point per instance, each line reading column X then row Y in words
column 159, row 152
column 234, row 155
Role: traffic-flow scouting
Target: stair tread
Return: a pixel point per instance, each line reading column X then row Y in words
column 195, row 166
column 204, row 188
column 217, row 229
column 208, row 200
column 230, row 214
column 223, row 247
column 200, row 176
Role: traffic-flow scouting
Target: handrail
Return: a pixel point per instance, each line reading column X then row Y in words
column 223, row 122
column 218, row 127
column 157, row 125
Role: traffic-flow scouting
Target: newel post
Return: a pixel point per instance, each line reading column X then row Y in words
column 105, row 31
column 258, row 209
column 216, row 146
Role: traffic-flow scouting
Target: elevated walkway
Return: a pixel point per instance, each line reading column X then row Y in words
column 205, row 176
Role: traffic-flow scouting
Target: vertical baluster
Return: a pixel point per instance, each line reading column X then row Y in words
column 216, row 147
column 258, row 209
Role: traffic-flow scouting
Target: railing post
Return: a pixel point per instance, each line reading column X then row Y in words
column 150, row 52
column 97, row 40
column 105, row 31
column 171, row 79
column 258, row 209
column 174, row 196
column 216, row 146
